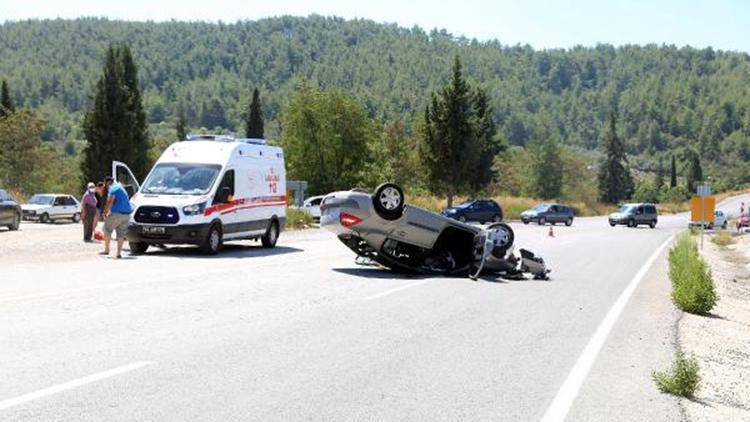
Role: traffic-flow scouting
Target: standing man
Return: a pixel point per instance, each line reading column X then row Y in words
column 89, row 211
column 116, row 215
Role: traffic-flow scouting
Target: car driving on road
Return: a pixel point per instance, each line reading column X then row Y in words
column 10, row 211
column 481, row 210
column 49, row 207
column 548, row 213
column 633, row 215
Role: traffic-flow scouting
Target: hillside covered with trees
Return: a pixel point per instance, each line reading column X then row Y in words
column 668, row 100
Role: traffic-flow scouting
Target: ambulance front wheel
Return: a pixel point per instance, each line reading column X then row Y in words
column 213, row 241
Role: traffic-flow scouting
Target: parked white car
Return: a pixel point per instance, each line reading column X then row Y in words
column 312, row 206
column 720, row 220
column 48, row 207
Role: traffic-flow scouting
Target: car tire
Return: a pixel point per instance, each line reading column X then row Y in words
column 710, row 226
column 542, row 221
column 268, row 240
column 525, row 221
column 44, row 218
column 16, row 222
column 388, row 201
column 631, row 223
column 611, row 224
column 652, row 224
column 138, row 248
column 77, row 217
column 212, row 244
column 499, row 251
column 724, row 226
column 569, row 222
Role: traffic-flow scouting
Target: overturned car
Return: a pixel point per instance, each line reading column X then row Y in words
column 381, row 228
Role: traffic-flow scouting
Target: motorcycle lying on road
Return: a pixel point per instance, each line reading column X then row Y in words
column 381, row 228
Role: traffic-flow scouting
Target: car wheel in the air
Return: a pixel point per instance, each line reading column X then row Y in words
column 652, row 224
column 272, row 235
column 569, row 222
column 212, row 243
column 542, row 221
column 44, row 218
column 138, row 248
column 388, row 201
column 506, row 241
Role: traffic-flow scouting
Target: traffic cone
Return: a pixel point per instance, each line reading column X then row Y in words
column 551, row 232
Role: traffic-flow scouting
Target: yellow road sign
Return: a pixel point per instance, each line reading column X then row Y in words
column 697, row 212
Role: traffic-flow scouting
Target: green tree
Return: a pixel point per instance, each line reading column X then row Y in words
column 6, row 101
column 694, row 171
column 254, row 118
column 615, row 180
column 659, row 178
column 20, row 147
column 449, row 147
column 181, row 127
column 673, row 174
column 115, row 126
column 326, row 139
column 488, row 143
column 549, row 165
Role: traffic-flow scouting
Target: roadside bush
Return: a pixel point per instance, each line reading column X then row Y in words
column 675, row 195
column 722, row 238
column 683, row 379
column 692, row 285
column 298, row 219
column 646, row 191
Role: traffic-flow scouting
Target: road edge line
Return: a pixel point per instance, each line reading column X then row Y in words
column 566, row 395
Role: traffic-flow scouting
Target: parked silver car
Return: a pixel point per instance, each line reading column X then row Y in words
column 381, row 228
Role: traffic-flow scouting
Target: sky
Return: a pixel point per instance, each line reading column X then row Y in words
column 721, row 24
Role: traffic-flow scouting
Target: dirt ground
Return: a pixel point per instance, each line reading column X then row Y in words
column 721, row 341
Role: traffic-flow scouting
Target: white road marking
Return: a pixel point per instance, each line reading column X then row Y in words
column 395, row 289
column 561, row 404
column 16, row 401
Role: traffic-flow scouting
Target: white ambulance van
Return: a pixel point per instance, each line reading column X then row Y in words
column 206, row 190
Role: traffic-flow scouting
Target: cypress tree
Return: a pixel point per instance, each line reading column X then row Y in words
column 548, row 162
column 615, row 181
column 488, row 146
column 115, row 126
column 695, row 171
column 180, row 126
column 6, row 101
column 673, row 174
column 659, row 180
column 449, row 142
column 254, row 118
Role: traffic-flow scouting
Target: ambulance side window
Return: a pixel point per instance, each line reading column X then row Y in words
column 225, row 192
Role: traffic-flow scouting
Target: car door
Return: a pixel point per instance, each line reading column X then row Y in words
column 121, row 174
column 640, row 215
column 71, row 205
column 58, row 207
column 553, row 214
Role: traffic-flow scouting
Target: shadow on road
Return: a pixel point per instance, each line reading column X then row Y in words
column 380, row 273
column 228, row 251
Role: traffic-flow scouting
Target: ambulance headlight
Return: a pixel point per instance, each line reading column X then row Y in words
column 194, row 209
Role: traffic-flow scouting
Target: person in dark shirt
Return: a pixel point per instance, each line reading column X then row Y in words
column 101, row 197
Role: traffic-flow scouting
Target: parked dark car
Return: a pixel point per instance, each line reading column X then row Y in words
column 10, row 211
column 481, row 210
column 549, row 213
column 633, row 215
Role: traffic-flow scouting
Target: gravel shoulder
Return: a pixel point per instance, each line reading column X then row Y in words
column 720, row 342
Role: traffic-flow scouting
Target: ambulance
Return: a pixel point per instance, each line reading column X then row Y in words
column 207, row 190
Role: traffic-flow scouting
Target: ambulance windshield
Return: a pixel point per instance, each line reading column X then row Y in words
column 181, row 179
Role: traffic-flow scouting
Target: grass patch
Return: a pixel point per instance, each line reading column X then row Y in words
column 298, row 219
column 722, row 238
column 683, row 379
column 693, row 288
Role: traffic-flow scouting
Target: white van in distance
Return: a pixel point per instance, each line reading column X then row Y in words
column 206, row 190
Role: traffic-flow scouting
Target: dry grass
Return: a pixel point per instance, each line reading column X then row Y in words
column 722, row 238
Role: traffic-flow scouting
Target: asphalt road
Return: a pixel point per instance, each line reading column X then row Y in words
column 302, row 333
